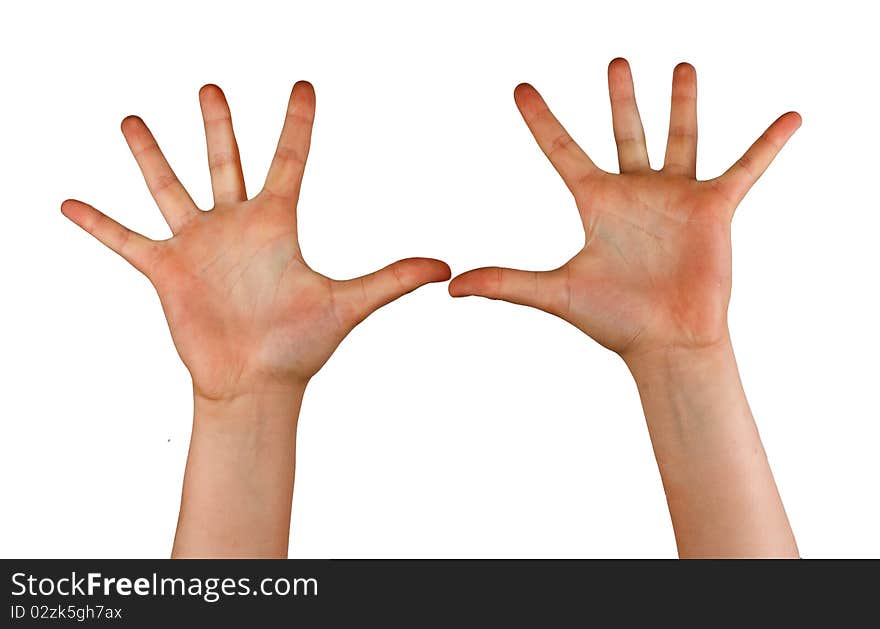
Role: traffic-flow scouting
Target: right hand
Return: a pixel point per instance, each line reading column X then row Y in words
column 655, row 269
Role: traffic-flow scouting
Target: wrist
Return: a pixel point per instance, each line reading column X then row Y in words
column 252, row 409
column 255, row 429
column 249, row 388
column 680, row 363
column 689, row 393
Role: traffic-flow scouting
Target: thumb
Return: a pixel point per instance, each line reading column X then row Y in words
column 361, row 296
column 544, row 290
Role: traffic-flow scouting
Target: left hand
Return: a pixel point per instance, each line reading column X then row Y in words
column 245, row 310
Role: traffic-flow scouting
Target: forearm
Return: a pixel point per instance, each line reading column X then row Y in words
column 719, row 487
column 238, row 484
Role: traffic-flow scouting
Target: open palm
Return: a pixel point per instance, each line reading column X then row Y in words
column 244, row 309
column 655, row 269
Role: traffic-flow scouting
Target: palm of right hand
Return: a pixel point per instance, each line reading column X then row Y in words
column 655, row 270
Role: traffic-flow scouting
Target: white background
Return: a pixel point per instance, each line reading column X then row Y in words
column 439, row 428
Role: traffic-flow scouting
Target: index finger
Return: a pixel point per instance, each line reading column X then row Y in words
column 569, row 160
column 286, row 172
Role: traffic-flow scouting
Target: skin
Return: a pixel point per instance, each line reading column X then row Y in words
column 250, row 319
column 652, row 283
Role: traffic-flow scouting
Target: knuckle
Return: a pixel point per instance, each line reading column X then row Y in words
column 288, row 155
column 163, row 182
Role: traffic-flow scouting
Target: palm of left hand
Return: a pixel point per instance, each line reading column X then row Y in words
column 245, row 310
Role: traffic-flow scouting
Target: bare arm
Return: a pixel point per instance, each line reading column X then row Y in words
column 719, row 487
column 652, row 283
column 238, row 485
column 250, row 319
